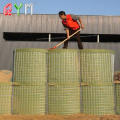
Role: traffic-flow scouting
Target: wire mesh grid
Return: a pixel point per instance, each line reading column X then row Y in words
column 63, row 66
column 29, row 100
column 30, row 76
column 64, row 73
column 64, row 100
column 97, row 65
column 5, row 98
column 117, row 98
column 98, row 100
column 30, row 66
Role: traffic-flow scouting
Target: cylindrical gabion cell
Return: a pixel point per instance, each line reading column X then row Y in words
column 64, row 75
column 30, row 75
column 97, row 65
column 117, row 97
column 29, row 100
column 5, row 98
column 30, row 66
column 98, row 100
column 63, row 66
column 64, row 100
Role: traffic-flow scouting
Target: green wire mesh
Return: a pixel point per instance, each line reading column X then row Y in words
column 98, row 100
column 30, row 65
column 5, row 98
column 29, row 100
column 97, row 65
column 64, row 100
column 63, row 66
column 64, row 73
column 30, row 75
column 117, row 98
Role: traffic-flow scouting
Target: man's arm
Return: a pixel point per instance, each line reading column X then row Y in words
column 67, row 31
column 75, row 17
column 82, row 26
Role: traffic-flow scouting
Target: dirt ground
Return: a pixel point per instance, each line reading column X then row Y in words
column 59, row 117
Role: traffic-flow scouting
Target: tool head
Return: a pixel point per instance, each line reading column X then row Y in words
column 52, row 48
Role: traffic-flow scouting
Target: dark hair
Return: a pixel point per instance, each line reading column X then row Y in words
column 61, row 13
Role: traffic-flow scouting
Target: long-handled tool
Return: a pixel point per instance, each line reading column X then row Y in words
column 65, row 39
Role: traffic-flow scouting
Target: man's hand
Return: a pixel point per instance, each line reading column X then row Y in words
column 82, row 26
column 68, row 37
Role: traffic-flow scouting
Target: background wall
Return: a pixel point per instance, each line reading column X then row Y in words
column 52, row 24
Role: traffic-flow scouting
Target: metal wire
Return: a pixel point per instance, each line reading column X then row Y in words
column 98, row 100
column 5, row 98
column 97, row 65
column 29, row 100
column 64, row 66
column 30, row 75
column 30, row 66
column 117, row 96
column 63, row 73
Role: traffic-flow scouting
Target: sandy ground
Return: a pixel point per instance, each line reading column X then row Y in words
column 59, row 117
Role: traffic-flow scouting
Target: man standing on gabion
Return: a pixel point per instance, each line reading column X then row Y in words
column 71, row 25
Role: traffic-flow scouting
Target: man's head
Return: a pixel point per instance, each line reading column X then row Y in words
column 62, row 15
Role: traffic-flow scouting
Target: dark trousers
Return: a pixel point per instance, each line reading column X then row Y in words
column 80, row 46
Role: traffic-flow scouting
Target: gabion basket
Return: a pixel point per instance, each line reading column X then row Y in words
column 64, row 100
column 117, row 97
column 29, row 100
column 98, row 99
column 64, row 74
column 30, row 77
column 5, row 98
column 30, row 66
column 97, row 65
column 63, row 66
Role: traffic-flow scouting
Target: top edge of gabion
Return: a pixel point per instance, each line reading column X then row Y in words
column 63, row 50
column 31, row 50
column 5, row 83
column 97, row 51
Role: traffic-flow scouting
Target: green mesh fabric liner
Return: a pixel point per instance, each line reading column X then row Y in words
column 98, row 100
column 63, row 66
column 117, row 98
column 29, row 100
column 5, row 98
column 97, row 65
column 30, row 66
column 63, row 100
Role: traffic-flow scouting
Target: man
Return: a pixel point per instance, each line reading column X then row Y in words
column 71, row 25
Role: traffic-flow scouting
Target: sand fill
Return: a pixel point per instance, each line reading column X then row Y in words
column 5, row 75
column 59, row 117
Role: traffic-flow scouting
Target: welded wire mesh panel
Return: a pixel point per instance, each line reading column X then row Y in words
column 64, row 100
column 63, row 66
column 117, row 98
column 64, row 74
column 97, row 65
column 30, row 65
column 29, row 100
column 5, row 98
column 98, row 100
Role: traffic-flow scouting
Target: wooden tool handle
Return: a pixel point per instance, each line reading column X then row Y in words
column 65, row 39
column 70, row 37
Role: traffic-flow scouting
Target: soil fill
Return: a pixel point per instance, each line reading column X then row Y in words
column 59, row 117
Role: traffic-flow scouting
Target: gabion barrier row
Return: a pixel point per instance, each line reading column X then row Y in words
column 67, row 70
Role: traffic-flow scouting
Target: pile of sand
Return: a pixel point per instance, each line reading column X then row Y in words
column 59, row 117
column 5, row 75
